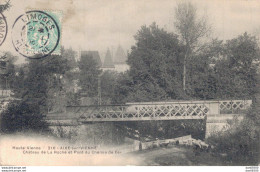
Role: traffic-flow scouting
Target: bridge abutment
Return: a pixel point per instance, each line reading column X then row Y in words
column 219, row 122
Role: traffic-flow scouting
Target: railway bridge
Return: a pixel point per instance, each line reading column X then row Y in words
column 216, row 112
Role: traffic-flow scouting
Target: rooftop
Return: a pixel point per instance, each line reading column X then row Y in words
column 94, row 54
column 108, row 62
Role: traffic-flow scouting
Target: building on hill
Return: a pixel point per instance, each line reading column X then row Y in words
column 120, row 60
column 108, row 62
column 120, row 57
column 118, row 63
column 94, row 54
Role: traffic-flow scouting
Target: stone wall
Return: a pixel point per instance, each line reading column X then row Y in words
column 219, row 122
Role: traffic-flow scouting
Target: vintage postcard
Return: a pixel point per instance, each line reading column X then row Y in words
column 129, row 82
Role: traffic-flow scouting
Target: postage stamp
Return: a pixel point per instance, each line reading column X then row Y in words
column 3, row 28
column 36, row 34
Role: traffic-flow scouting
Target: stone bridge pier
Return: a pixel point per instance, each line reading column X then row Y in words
column 224, row 111
column 219, row 122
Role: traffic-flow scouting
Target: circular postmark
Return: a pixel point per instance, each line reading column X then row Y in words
column 35, row 34
column 3, row 28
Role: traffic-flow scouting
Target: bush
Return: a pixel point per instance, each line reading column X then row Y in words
column 240, row 143
column 20, row 117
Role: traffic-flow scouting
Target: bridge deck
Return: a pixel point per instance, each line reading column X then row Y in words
column 146, row 111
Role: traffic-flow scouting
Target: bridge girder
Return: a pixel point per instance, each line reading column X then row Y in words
column 181, row 110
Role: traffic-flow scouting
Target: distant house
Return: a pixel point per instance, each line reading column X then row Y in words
column 120, row 57
column 108, row 62
column 120, row 60
column 118, row 63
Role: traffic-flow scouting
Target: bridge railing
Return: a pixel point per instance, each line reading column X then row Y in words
column 155, row 110
column 98, row 112
column 142, row 111
column 182, row 107
column 5, row 93
column 234, row 106
column 170, row 109
column 215, row 106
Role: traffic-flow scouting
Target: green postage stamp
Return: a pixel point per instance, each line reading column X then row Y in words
column 36, row 34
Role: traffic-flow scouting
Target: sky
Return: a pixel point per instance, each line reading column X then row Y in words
column 102, row 24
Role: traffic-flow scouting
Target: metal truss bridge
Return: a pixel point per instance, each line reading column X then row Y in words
column 175, row 110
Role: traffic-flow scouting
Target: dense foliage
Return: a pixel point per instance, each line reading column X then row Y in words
column 240, row 143
column 22, row 117
column 108, row 86
column 88, row 76
column 155, row 64
column 235, row 73
column 7, row 70
column 191, row 29
column 38, row 85
column 224, row 70
column 221, row 70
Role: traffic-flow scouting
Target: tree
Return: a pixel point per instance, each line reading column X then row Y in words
column 236, row 70
column 21, row 117
column 191, row 29
column 70, row 78
column 7, row 70
column 40, row 79
column 155, row 62
column 37, row 83
column 201, row 74
column 237, row 77
column 88, row 76
column 123, row 87
column 70, row 55
column 108, row 83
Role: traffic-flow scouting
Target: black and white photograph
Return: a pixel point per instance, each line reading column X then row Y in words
column 129, row 83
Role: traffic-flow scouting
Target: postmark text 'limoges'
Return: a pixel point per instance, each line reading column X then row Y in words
column 35, row 34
